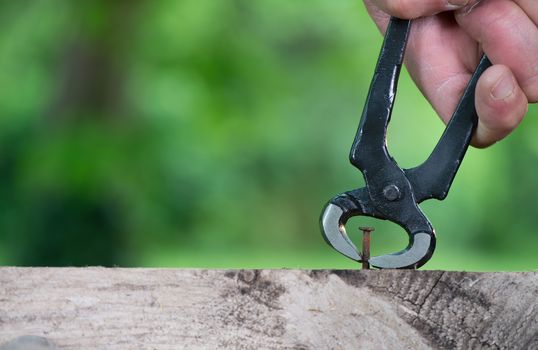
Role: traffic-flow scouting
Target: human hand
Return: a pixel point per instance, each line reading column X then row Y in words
column 446, row 43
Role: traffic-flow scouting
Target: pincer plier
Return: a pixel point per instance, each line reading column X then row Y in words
column 392, row 193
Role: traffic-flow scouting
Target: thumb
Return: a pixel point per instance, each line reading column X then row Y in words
column 500, row 104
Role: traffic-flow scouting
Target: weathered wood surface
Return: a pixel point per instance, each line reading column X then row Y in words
column 98, row 308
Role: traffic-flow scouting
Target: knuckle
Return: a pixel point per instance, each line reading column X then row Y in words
column 502, row 15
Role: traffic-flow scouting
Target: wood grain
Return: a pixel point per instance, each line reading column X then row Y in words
column 100, row 308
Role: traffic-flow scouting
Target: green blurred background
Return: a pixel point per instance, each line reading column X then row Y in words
column 210, row 133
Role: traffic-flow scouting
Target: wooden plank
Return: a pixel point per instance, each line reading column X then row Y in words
column 100, row 308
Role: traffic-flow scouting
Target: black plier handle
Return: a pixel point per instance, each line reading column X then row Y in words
column 393, row 193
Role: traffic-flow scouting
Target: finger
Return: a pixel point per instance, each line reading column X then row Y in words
column 508, row 36
column 530, row 7
column 441, row 58
column 410, row 9
column 500, row 103
column 380, row 18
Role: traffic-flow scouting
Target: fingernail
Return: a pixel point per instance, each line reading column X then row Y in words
column 456, row 4
column 503, row 88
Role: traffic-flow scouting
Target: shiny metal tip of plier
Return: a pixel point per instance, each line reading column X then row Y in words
column 420, row 248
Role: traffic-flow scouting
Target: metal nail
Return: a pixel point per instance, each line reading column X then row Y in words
column 365, row 256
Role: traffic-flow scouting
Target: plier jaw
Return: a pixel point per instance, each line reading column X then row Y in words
column 393, row 193
column 358, row 203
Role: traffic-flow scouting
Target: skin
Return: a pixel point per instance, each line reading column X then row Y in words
column 446, row 43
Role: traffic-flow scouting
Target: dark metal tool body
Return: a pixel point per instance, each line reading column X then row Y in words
column 393, row 193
